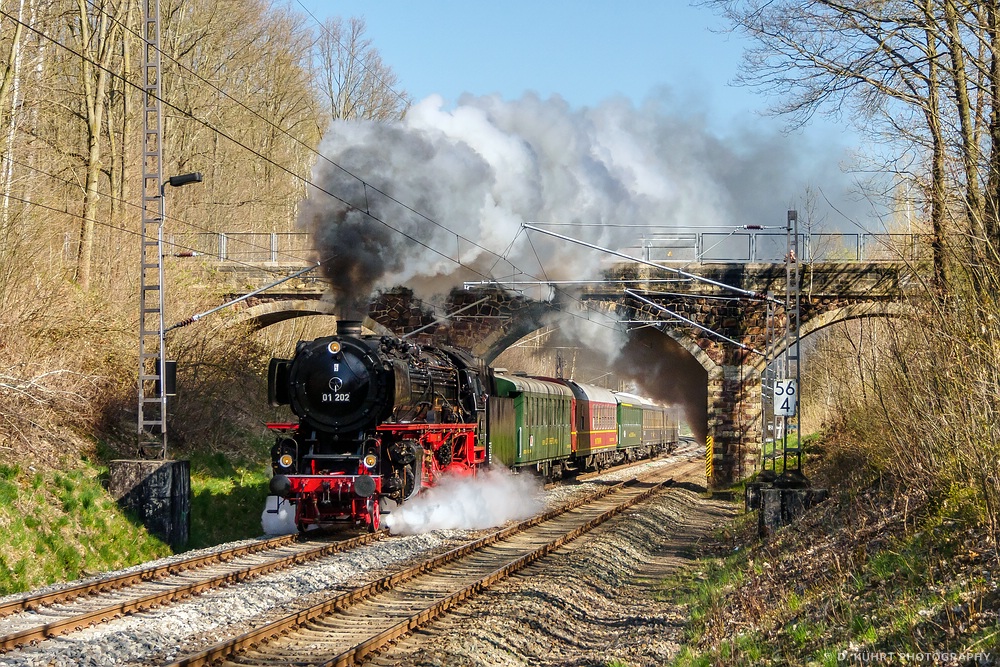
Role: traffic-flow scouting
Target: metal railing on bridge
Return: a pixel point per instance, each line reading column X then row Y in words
column 679, row 245
column 286, row 248
column 692, row 246
column 768, row 247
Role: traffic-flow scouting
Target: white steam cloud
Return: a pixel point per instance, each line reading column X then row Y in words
column 483, row 168
column 489, row 499
column 280, row 523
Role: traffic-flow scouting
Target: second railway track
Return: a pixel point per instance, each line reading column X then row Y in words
column 33, row 618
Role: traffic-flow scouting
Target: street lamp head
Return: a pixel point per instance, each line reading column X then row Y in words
column 184, row 179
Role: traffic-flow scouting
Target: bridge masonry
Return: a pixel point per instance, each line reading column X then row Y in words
column 490, row 320
column 829, row 293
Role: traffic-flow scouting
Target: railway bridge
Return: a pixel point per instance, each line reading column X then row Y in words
column 724, row 330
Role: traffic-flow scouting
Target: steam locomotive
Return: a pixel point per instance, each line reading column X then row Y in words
column 380, row 418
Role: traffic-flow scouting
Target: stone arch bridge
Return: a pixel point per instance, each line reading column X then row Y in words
column 489, row 320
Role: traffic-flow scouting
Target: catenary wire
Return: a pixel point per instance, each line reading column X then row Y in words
column 242, row 145
column 132, row 232
column 287, row 170
column 295, row 139
column 126, row 202
column 305, row 180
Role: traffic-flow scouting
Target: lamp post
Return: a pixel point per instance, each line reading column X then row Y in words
column 175, row 181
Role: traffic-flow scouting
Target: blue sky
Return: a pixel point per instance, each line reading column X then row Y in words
column 590, row 51
column 585, row 51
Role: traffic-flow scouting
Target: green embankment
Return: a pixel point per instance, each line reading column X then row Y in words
column 62, row 526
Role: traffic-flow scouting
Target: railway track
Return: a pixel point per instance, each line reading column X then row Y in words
column 346, row 627
column 159, row 636
column 33, row 618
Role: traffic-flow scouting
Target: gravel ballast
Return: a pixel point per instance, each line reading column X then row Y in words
column 588, row 602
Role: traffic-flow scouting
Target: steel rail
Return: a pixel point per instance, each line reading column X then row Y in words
column 104, row 614
column 283, row 626
column 33, row 601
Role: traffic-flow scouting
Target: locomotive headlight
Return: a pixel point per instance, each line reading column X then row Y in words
column 334, row 347
column 286, row 460
column 370, row 460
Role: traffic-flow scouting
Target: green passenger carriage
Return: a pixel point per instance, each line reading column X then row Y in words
column 538, row 418
column 630, row 412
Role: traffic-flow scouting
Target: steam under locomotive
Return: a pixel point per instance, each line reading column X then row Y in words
column 381, row 418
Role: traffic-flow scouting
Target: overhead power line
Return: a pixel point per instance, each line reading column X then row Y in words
column 288, row 171
column 178, row 246
column 258, row 154
column 133, row 232
column 293, row 174
column 298, row 141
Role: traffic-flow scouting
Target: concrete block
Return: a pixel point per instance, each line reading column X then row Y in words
column 780, row 507
column 752, row 496
column 769, row 515
column 158, row 493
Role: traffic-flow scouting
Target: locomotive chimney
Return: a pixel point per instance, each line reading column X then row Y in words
column 348, row 328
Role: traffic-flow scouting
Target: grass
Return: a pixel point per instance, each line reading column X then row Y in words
column 59, row 526
column 777, row 464
column 62, row 525
column 227, row 499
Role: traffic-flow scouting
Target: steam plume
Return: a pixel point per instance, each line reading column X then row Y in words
column 489, row 499
column 281, row 522
column 481, row 169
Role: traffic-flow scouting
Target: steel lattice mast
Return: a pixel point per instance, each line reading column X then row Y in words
column 152, row 420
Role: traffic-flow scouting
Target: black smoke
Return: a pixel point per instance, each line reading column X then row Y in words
column 667, row 373
column 442, row 195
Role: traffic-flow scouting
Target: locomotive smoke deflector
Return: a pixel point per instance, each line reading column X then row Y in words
column 277, row 382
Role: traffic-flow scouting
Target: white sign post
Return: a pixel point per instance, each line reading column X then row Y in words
column 786, row 398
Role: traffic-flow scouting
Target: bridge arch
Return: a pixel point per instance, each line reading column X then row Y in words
column 818, row 321
column 265, row 314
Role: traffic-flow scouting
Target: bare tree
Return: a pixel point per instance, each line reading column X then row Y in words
column 925, row 76
column 351, row 76
column 908, row 70
column 242, row 108
column 9, row 68
column 10, row 77
column 96, row 29
column 242, row 103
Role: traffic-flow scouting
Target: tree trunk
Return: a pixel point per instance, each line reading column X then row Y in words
column 993, row 181
column 969, row 148
column 938, row 185
column 9, row 84
column 98, row 47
